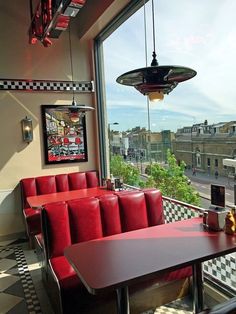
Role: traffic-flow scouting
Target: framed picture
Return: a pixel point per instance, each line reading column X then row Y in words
column 64, row 133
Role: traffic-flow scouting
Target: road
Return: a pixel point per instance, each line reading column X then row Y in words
column 202, row 183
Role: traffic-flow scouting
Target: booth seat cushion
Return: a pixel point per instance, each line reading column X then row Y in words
column 110, row 214
column 177, row 274
column 46, row 185
column 85, row 219
column 154, row 205
column 77, row 180
column 33, row 218
column 62, row 182
column 133, row 211
column 58, row 223
column 65, row 274
column 92, row 179
column 28, row 188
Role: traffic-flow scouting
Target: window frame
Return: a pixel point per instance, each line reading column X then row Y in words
column 129, row 10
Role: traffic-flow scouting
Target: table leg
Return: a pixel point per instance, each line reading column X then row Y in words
column 122, row 298
column 198, row 300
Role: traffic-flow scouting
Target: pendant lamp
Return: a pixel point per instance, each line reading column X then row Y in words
column 76, row 111
column 156, row 80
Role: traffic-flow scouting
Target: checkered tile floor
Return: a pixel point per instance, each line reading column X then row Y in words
column 183, row 306
column 17, row 292
column 21, row 290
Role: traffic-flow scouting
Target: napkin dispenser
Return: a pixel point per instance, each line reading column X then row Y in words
column 216, row 218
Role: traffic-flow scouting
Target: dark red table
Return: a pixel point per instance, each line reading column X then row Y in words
column 115, row 262
column 40, row 200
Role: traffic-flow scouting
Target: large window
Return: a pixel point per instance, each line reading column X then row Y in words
column 204, row 41
column 199, row 112
column 197, row 34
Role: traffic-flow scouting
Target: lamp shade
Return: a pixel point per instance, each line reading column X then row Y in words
column 156, row 78
column 74, row 107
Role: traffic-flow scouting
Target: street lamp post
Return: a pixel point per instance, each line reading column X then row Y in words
column 109, row 136
column 192, row 157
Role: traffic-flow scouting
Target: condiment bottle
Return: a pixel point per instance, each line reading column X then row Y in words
column 229, row 223
column 234, row 214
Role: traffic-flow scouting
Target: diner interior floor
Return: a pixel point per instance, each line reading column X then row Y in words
column 22, row 291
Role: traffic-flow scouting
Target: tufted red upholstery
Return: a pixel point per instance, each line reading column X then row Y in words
column 92, row 179
column 154, row 207
column 91, row 218
column 46, row 185
column 32, row 217
column 51, row 184
column 62, row 182
column 85, row 219
column 77, row 180
column 133, row 211
column 64, row 272
column 110, row 214
column 28, row 188
column 59, row 226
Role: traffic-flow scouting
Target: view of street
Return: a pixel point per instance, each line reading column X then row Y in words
column 202, row 183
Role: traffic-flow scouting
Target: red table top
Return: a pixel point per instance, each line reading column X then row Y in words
column 119, row 260
column 40, row 200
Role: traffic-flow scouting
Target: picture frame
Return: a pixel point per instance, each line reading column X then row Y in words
column 64, row 134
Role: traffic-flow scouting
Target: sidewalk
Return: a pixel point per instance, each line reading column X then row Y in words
column 227, row 182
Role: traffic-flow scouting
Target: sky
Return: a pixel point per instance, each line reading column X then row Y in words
column 200, row 34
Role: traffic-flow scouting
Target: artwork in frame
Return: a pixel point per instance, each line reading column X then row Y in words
column 64, row 134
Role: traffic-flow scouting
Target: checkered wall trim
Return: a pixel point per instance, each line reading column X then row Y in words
column 46, row 86
column 221, row 269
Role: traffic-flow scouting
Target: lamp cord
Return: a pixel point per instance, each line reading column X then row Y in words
column 71, row 68
column 145, row 30
column 154, row 60
column 153, row 27
column 148, row 104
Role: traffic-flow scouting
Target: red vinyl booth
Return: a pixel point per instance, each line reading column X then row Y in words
column 75, row 221
column 50, row 184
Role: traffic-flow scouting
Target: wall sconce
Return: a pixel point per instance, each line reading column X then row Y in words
column 27, row 130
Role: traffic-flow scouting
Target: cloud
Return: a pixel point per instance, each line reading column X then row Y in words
column 196, row 34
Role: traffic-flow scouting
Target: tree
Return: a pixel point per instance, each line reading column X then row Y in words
column 128, row 172
column 171, row 180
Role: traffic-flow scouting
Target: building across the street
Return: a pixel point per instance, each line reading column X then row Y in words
column 205, row 146
column 139, row 143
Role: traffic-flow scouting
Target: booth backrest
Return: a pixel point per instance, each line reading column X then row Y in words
column 57, row 183
column 92, row 218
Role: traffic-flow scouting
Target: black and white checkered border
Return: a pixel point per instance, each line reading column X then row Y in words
column 47, row 86
column 169, row 310
column 31, row 297
column 179, row 306
column 166, row 310
column 6, row 249
column 175, row 212
column 223, row 269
